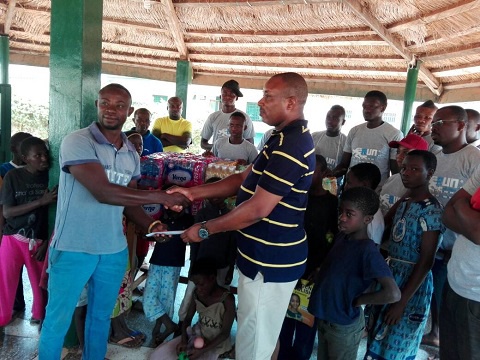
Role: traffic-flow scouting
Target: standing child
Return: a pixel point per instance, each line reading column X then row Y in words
column 417, row 229
column 296, row 338
column 25, row 197
column 351, row 266
column 161, row 286
column 216, row 311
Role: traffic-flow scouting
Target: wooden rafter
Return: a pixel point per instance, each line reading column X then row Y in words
column 443, row 13
column 471, row 68
column 462, row 84
column 174, row 25
column 250, row 3
column 290, row 44
column 433, row 83
column 290, row 56
column 9, row 16
column 430, row 40
column 454, row 52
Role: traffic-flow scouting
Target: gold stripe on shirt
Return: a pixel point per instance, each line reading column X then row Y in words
column 272, row 243
column 278, row 178
column 272, row 265
column 247, row 190
column 309, row 153
column 280, row 223
column 256, row 171
column 265, row 154
column 291, row 207
column 299, row 191
column 291, row 158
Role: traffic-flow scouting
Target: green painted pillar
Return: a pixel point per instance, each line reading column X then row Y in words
column 75, row 69
column 5, row 101
column 409, row 97
column 183, row 79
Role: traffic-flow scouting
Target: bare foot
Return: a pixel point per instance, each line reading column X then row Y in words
column 431, row 340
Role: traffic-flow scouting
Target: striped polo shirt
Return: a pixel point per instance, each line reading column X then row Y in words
column 276, row 246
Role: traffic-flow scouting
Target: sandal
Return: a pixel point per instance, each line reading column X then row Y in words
column 128, row 342
column 138, row 334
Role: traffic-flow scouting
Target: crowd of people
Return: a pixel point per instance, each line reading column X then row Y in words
column 381, row 227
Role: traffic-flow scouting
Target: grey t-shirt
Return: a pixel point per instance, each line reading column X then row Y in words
column 82, row 223
column 371, row 146
column 217, row 126
column 330, row 147
column 453, row 170
column 464, row 267
column 222, row 148
column 392, row 191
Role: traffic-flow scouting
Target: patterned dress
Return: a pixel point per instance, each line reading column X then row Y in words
column 401, row 341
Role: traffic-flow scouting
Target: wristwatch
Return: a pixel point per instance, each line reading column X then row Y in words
column 203, row 231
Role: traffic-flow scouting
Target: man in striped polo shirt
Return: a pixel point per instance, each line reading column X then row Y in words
column 271, row 200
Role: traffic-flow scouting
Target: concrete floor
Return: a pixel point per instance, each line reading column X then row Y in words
column 19, row 340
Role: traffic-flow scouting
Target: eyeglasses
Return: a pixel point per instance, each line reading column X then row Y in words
column 441, row 122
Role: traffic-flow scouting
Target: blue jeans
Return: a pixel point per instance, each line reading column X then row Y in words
column 68, row 274
column 339, row 342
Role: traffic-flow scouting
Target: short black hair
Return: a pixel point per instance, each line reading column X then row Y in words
column 238, row 114
column 458, row 112
column 364, row 199
column 131, row 132
column 320, row 161
column 142, row 110
column 377, row 95
column 18, row 137
column 428, row 104
column 30, row 142
column 116, row 86
column 474, row 114
column 429, row 159
column 204, row 266
column 338, row 107
column 367, row 172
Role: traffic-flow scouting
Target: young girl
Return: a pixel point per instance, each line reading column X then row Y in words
column 25, row 197
column 416, row 231
column 216, row 310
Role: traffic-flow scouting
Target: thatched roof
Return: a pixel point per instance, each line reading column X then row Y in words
column 341, row 46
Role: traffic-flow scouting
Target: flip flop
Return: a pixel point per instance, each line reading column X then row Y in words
column 128, row 342
column 138, row 334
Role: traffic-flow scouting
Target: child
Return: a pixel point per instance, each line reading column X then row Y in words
column 216, row 311
column 368, row 175
column 220, row 247
column 16, row 162
column 235, row 147
column 25, row 197
column 163, row 276
column 417, row 229
column 351, row 266
column 296, row 338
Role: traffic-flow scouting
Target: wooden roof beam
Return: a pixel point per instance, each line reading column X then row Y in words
column 174, row 25
column 471, row 68
column 454, row 52
column 291, row 56
column 433, row 83
column 463, row 84
column 342, row 43
column 453, row 9
column 430, row 40
column 249, row 3
column 9, row 16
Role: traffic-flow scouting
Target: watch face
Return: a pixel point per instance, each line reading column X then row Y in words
column 203, row 233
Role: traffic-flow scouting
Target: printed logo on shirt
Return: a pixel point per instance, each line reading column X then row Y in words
column 370, row 155
column 118, row 178
column 387, row 201
column 443, row 187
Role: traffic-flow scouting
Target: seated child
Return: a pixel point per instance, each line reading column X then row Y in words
column 25, row 199
column 350, row 268
column 216, row 311
column 368, row 175
column 417, row 229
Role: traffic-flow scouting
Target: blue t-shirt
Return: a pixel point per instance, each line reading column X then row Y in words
column 349, row 269
column 82, row 223
column 151, row 144
column 6, row 167
column 276, row 246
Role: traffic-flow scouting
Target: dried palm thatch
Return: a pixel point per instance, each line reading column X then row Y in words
column 340, row 46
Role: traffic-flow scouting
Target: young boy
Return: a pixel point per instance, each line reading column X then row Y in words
column 235, row 147
column 351, row 266
column 368, row 175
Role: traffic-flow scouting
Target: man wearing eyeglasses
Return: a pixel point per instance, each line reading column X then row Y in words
column 456, row 164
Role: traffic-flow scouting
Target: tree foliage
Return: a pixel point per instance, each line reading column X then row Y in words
column 29, row 117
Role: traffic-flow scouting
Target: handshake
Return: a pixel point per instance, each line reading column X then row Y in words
column 175, row 198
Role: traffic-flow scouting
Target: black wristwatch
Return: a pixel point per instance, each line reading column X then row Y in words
column 203, row 231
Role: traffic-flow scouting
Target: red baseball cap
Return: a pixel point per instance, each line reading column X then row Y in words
column 411, row 141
